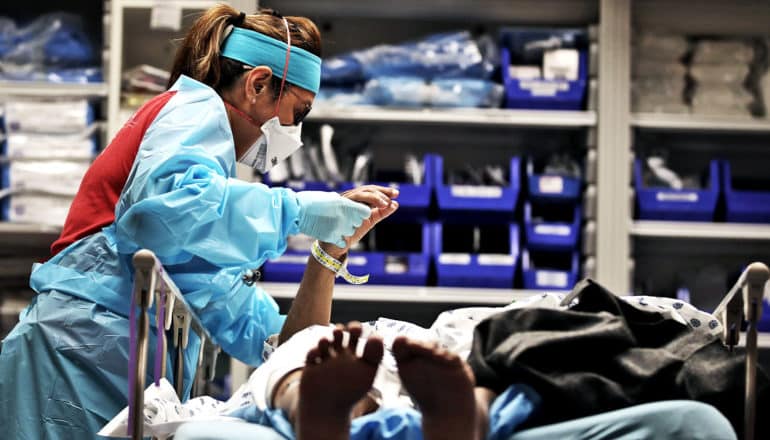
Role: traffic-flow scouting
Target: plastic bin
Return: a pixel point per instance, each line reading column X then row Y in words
column 402, row 257
column 672, row 204
column 551, row 188
column 544, row 94
column 749, row 202
column 551, row 227
column 413, row 200
column 495, row 264
column 490, row 204
column 549, row 271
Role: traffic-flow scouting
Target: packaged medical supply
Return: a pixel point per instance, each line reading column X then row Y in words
column 37, row 208
column 415, row 92
column 46, row 146
column 450, row 55
column 53, row 46
column 50, row 176
column 60, row 116
column 722, row 52
column 658, row 45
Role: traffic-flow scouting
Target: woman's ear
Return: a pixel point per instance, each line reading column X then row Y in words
column 257, row 81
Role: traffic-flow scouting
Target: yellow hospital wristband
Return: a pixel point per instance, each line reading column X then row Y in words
column 334, row 265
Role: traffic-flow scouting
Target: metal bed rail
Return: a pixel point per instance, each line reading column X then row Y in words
column 152, row 284
column 743, row 303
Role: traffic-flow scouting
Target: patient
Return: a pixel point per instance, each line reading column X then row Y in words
column 336, row 383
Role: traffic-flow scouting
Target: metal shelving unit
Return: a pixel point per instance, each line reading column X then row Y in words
column 487, row 117
column 701, row 123
column 410, row 294
column 700, row 230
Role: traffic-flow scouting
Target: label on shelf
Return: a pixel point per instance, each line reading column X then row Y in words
column 560, row 230
column 495, row 260
column 550, row 184
column 689, row 197
column 459, row 259
column 551, row 278
column 482, row 192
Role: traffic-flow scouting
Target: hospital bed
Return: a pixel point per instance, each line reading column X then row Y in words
column 743, row 303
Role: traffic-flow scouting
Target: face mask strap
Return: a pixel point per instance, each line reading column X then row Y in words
column 285, row 65
column 241, row 113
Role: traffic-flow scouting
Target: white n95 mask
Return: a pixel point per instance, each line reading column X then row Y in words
column 276, row 143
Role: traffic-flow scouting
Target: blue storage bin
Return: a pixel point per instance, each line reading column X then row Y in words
column 544, row 94
column 552, row 228
column 551, row 187
column 488, row 204
column 413, row 200
column 395, row 264
column 672, row 204
column 465, row 269
column 745, row 205
column 549, row 271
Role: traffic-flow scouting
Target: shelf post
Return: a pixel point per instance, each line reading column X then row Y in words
column 614, row 137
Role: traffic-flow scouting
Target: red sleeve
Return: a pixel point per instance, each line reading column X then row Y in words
column 94, row 205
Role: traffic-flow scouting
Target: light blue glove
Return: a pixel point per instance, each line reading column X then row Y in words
column 330, row 217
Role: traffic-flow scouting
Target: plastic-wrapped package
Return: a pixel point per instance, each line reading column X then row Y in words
column 653, row 85
column 642, row 67
column 415, row 92
column 341, row 95
column 723, row 100
column 59, row 177
column 38, row 209
column 660, row 46
column 51, row 43
column 45, row 146
column 65, row 116
column 7, row 31
column 658, row 103
column 722, row 52
column 452, row 55
column 719, row 73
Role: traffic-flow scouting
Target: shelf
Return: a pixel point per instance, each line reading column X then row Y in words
column 27, row 235
column 185, row 4
column 406, row 294
column 496, row 11
column 36, row 88
column 717, row 231
column 686, row 122
column 463, row 116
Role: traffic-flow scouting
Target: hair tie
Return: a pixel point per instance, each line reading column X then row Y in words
column 237, row 21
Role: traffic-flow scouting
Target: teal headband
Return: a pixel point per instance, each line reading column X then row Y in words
column 256, row 49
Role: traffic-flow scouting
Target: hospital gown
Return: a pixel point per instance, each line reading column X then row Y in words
column 64, row 367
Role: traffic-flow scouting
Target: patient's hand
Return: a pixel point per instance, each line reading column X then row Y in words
column 380, row 199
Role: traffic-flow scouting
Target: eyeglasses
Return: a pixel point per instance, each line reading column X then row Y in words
column 300, row 115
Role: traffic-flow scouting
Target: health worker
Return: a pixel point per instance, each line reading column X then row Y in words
column 242, row 84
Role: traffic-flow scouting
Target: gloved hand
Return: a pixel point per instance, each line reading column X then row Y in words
column 330, row 217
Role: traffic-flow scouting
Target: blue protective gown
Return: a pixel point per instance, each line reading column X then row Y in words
column 63, row 368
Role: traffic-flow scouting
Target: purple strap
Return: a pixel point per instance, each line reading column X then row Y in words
column 161, row 310
column 131, row 361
